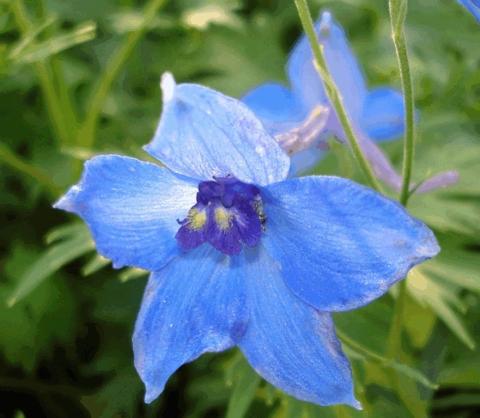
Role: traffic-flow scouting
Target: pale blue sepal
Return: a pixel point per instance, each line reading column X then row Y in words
column 196, row 304
column 341, row 245
column 342, row 63
column 275, row 106
column 289, row 343
column 131, row 208
column 306, row 160
column 383, row 114
column 203, row 133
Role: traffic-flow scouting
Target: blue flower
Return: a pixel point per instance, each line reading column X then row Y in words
column 377, row 114
column 241, row 255
column 301, row 118
column 473, row 6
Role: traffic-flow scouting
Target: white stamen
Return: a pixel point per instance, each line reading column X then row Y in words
column 306, row 133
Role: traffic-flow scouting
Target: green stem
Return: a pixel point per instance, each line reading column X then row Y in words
column 47, row 85
column 86, row 135
column 11, row 159
column 334, row 94
column 64, row 97
column 69, row 112
column 398, row 10
column 394, row 347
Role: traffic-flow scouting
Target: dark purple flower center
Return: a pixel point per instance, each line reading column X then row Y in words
column 228, row 214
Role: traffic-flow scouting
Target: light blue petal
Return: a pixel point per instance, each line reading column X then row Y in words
column 340, row 244
column 290, row 344
column 383, row 114
column 473, row 6
column 304, row 78
column 382, row 167
column 203, row 133
column 341, row 62
column 275, row 106
column 131, row 208
column 305, row 160
column 196, row 304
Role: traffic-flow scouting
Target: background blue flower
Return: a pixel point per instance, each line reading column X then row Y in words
column 303, row 115
column 376, row 114
column 328, row 244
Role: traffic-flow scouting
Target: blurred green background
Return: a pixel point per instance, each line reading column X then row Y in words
column 80, row 77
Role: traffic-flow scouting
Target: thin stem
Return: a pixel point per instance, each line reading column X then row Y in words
column 398, row 12
column 9, row 158
column 334, row 94
column 62, row 88
column 394, row 347
column 398, row 9
column 86, row 135
column 47, row 85
column 64, row 96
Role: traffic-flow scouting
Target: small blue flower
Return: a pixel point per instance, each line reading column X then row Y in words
column 377, row 114
column 301, row 118
column 473, row 6
column 241, row 255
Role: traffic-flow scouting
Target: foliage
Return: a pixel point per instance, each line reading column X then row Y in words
column 79, row 78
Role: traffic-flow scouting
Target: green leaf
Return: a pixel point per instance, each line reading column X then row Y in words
column 356, row 350
column 122, row 389
column 246, row 382
column 72, row 247
column 458, row 400
column 456, row 266
column 30, row 38
column 96, row 263
column 42, row 319
column 131, row 273
column 203, row 15
column 67, row 231
column 40, row 50
column 455, row 208
column 426, row 291
column 463, row 371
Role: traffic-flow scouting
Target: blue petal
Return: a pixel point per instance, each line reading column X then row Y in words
column 340, row 244
column 131, row 208
column 275, row 106
column 196, row 304
column 341, row 61
column 203, row 133
column 305, row 160
column 473, row 6
column 290, row 344
column 383, row 114
column 382, row 167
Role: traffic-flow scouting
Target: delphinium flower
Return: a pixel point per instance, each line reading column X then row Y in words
column 473, row 6
column 240, row 254
column 301, row 117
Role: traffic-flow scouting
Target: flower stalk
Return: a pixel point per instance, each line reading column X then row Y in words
column 334, row 94
column 398, row 11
